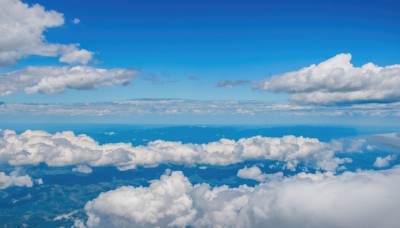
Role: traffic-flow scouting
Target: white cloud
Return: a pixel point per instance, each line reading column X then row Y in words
column 14, row 180
column 336, row 80
column 72, row 54
column 22, row 27
column 82, row 169
column 254, row 173
column 175, row 107
column 361, row 199
column 76, row 21
column 68, row 216
column 148, row 106
column 164, row 203
column 65, row 148
column 39, row 181
column 57, row 79
column 385, row 161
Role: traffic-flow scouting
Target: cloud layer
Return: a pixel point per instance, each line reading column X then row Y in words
column 22, row 27
column 168, row 107
column 66, row 148
column 54, row 79
column 336, row 81
column 361, row 199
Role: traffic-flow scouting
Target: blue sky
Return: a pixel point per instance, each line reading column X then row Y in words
column 182, row 49
column 210, row 113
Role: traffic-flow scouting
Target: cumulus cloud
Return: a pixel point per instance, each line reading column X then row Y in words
column 384, row 161
column 336, row 80
column 14, row 180
column 164, row 203
column 360, row 199
column 22, row 28
column 57, row 79
column 66, row 148
column 82, row 169
column 254, row 173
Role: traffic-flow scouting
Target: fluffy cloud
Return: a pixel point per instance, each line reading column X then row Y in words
column 65, row 148
column 22, row 27
column 361, row 199
column 385, row 161
column 254, row 173
column 14, row 180
column 82, row 169
column 336, row 80
column 164, row 203
column 57, row 79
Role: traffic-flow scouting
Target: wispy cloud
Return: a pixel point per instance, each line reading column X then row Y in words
column 170, row 107
column 231, row 83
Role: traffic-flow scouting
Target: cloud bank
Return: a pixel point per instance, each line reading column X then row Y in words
column 168, row 107
column 22, row 28
column 336, row 81
column 66, row 148
column 54, row 79
column 361, row 199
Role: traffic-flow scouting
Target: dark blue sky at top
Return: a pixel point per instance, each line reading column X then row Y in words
column 226, row 33
column 218, row 40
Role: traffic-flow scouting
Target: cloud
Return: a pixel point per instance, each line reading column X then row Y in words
column 159, row 80
column 14, row 180
column 175, row 107
column 68, row 216
column 82, row 169
column 336, row 81
column 164, row 203
column 66, row 148
column 57, row 79
column 384, row 162
column 76, row 21
column 254, row 173
column 231, row 83
column 22, row 28
column 352, row 199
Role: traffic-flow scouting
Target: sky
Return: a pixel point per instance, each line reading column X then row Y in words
column 199, row 50
column 111, row 113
